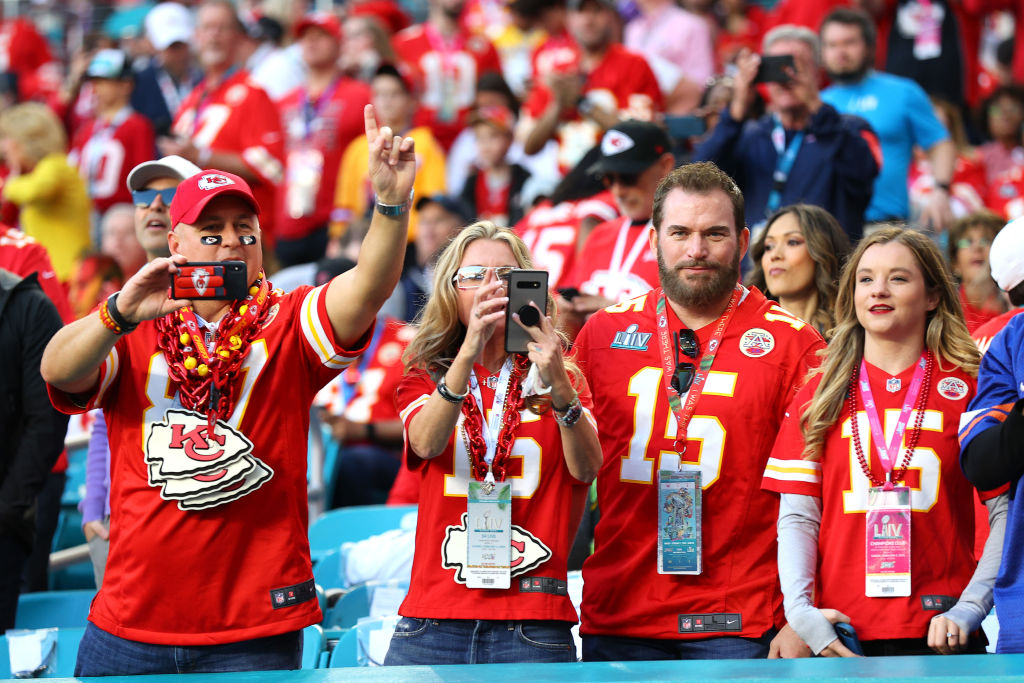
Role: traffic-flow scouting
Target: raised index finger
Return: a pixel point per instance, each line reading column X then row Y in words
column 370, row 122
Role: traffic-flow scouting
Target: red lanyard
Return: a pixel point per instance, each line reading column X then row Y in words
column 684, row 411
column 887, row 453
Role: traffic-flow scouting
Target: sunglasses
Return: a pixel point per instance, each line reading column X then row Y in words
column 144, row 198
column 471, row 277
column 623, row 179
column 965, row 243
column 688, row 345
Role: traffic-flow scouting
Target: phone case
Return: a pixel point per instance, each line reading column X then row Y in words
column 524, row 286
column 210, row 280
column 848, row 637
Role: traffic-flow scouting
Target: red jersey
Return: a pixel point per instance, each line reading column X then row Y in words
column 620, row 264
column 1006, row 194
column 106, row 152
column 942, row 517
column 316, row 135
column 23, row 51
column 239, row 117
column 761, row 361
column 22, row 255
column 623, row 83
column 194, row 561
column 967, row 191
column 547, row 503
column 450, row 68
column 551, row 233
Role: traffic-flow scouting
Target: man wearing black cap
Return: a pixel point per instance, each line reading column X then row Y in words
column 207, row 405
column 635, row 156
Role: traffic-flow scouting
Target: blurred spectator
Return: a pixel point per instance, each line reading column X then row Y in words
column 366, row 46
column 440, row 219
column 492, row 190
column 23, row 52
column 272, row 66
column 451, row 60
column 119, row 241
column 518, row 39
column 394, row 93
column 106, row 147
column 1006, row 263
column 804, row 151
column 95, row 278
column 970, row 241
column 51, row 195
column 228, row 122
column 33, row 431
column 389, row 14
column 1002, row 118
column 743, row 24
column 163, row 84
column 585, row 83
column 898, row 111
column 321, row 117
column 23, row 255
column 677, row 45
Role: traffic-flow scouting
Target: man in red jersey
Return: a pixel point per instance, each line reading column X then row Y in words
column 321, row 117
column 205, row 402
column 228, row 122
column 692, row 378
column 451, row 61
column 592, row 83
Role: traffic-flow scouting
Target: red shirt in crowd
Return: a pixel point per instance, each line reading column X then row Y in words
column 106, row 152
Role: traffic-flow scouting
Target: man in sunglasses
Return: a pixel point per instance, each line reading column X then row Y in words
column 690, row 382
column 152, row 186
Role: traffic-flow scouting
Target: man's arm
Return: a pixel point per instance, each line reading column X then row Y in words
column 938, row 213
column 354, row 297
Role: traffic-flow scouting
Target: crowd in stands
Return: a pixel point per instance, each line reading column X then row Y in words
column 829, row 186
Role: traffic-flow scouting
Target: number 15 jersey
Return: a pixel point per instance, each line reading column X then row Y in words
column 762, row 359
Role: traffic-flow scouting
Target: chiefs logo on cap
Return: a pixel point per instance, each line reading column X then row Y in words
column 210, row 181
column 615, row 142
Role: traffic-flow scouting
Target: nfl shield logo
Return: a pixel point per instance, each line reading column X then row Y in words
column 892, row 385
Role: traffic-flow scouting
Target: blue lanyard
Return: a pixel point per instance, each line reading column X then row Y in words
column 784, row 164
column 348, row 388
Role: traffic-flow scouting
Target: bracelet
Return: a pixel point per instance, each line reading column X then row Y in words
column 113, row 319
column 393, row 209
column 371, row 432
column 945, row 187
column 447, row 394
column 570, row 415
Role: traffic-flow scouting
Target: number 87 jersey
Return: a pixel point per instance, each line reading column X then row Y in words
column 763, row 358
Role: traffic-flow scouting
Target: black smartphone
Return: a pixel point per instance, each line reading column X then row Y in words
column 848, row 637
column 683, row 127
column 524, row 286
column 568, row 293
column 210, row 280
column 774, row 68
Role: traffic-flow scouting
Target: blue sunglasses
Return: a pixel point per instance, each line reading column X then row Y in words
column 144, row 198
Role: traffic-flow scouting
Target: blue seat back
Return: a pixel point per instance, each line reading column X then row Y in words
column 313, row 645
column 54, row 609
column 341, row 525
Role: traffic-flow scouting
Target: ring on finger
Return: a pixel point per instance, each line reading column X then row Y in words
column 950, row 635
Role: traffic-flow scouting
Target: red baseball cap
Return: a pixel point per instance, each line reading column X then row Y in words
column 195, row 193
column 321, row 20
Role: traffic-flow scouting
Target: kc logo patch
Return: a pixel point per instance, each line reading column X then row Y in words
column 528, row 551
column 953, row 388
column 756, row 342
column 210, row 181
column 615, row 142
column 200, row 278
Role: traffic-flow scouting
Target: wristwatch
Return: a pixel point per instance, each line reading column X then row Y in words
column 393, row 209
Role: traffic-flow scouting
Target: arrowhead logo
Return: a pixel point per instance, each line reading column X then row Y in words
column 200, row 278
column 616, row 142
column 210, row 181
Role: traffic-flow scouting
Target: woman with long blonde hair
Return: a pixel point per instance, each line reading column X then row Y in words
column 868, row 451
column 504, row 446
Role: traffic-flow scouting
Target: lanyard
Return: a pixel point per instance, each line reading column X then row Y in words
column 171, row 92
column 445, row 48
column 312, row 111
column 684, row 410
column 783, row 165
column 492, row 426
column 625, row 265
column 206, row 95
column 887, row 453
column 349, row 379
column 95, row 150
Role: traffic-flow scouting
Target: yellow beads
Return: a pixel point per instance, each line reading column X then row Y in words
column 242, row 309
column 235, row 342
column 190, row 363
column 184, row 338
column 224, row 353
column 202, row 370
column 254, row 290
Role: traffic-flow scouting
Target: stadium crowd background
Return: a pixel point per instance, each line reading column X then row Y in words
column 508, row 103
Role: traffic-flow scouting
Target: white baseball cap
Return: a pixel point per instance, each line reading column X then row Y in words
column 168, row 167
column 169, row 23
column 1006, row 257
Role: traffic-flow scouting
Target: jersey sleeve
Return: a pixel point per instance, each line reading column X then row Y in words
column 413, row 393
column 787, row 471
column 997, row 390
column 318, row 334
column 109, row 373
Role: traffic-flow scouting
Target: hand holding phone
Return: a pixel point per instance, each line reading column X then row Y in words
column 848, row 637
column 775, row 69
column 212, row 280
column 524, row 286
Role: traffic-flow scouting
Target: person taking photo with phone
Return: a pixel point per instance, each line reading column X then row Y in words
column 505, row 447
column 802, row 150
column 207, row 406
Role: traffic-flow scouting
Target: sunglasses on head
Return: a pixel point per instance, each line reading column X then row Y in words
column 688, row 345
column 623, row 179
column 144, row 198
column 471, row 277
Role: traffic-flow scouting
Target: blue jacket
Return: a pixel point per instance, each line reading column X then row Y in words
column 834, row 168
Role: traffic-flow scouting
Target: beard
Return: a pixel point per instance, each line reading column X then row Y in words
column 707, row 290
column 849, row 76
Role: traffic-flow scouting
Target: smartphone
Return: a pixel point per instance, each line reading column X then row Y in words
column 848, row 637
column 773, row 69
column 569, row 293
column 524, row 286
column 682, row 127
column 210, row 280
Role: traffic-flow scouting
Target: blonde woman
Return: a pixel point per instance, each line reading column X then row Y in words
column 479, row 419
column 898, row 511
column 55, row 206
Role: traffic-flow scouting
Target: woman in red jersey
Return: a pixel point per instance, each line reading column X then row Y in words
column 876, row 519
column 504, row 447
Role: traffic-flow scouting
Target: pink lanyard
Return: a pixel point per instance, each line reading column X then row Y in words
column 887, row 454
column 684, row 411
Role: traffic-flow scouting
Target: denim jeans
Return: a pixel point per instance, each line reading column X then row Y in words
column 469, row 641
column 103, row 654
column 616, row 649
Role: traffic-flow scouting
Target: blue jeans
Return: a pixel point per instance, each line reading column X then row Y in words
column 103, row 654
column 616, row 649
column 469, row 641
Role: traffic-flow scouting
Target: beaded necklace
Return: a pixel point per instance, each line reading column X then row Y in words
column 473, row 426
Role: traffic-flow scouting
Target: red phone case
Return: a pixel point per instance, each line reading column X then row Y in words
column 224, row 280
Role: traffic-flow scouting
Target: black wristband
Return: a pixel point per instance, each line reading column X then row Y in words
column 447, row 394
column 945, row 187
column 371, row 432
column 116, row 316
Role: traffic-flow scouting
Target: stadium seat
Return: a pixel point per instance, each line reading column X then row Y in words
column 335, row 527
column 313, row 645
column 349, row 608
column 54, row 609
column 346, row 652
column 329, row 572
column 67, row 652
